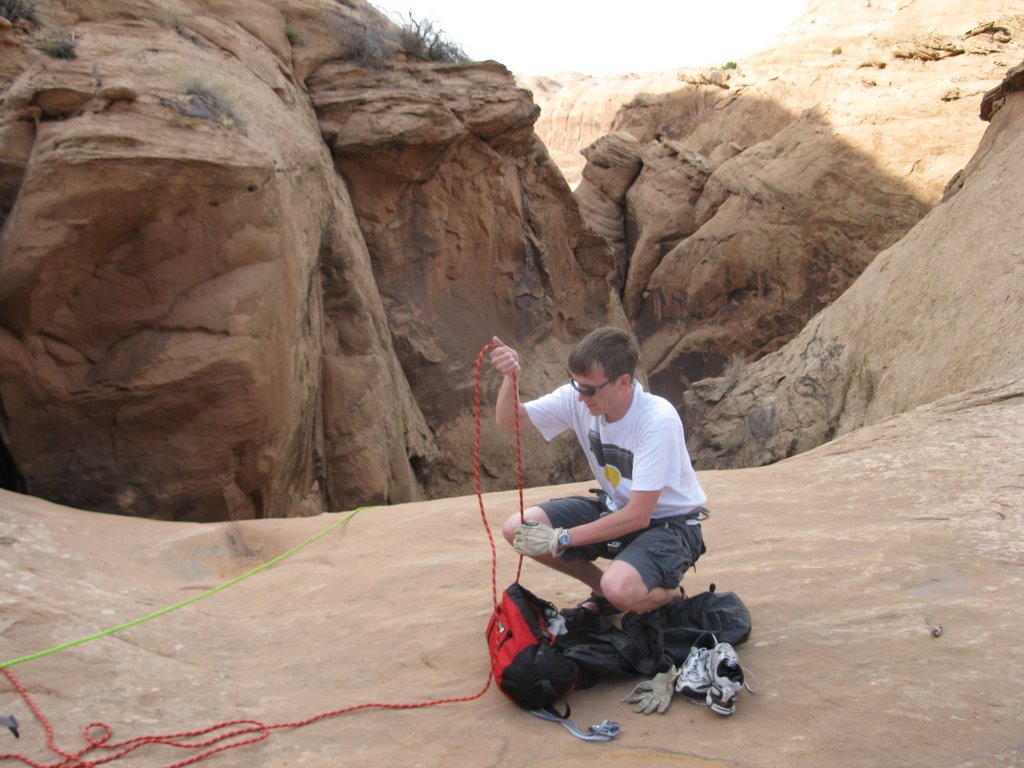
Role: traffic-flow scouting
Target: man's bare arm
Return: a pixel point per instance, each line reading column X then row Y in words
column 506, row 361
column 632, row 517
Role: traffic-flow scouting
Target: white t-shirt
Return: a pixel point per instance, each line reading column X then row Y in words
column 645, row 450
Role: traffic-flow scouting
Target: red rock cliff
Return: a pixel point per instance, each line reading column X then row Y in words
column 247, row 265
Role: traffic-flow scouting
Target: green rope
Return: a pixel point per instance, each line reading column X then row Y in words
column 183, row 603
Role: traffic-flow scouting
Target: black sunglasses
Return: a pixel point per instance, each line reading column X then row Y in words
column 585, row 389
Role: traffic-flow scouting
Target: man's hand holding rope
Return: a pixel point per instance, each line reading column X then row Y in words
column 534, row 538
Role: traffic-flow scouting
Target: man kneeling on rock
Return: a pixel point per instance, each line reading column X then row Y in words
column 646, row 515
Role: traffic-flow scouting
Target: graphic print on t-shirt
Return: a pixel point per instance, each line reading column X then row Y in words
column 617, row 462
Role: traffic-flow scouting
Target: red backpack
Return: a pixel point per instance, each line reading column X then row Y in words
column 528, row 666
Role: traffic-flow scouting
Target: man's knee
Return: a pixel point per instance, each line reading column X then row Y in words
column 508, row 530
column 623, row 586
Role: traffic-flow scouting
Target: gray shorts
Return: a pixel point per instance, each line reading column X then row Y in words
column 661, row 553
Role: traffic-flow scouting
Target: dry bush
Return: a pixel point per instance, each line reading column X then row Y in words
column 19, row 10
column 373, row 48
column 421, row 39
column 59, row 45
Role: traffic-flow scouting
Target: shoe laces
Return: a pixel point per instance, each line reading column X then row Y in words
column 732, row 684
column 696, row 667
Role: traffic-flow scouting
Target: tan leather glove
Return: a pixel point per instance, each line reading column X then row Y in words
column 534, row 538
column 654, row 695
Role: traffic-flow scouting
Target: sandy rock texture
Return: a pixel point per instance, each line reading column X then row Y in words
column 851, row 558
column 749, row 198
column 159, row 270
column 939, row 311
column 250, row 252
column 882, row 569
column 472, row 232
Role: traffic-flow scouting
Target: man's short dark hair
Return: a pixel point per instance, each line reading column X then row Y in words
column 616, row 350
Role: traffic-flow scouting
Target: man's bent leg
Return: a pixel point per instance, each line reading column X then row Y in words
column 582, row 570
column 625, row 588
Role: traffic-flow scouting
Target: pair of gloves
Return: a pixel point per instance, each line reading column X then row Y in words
column 534, row 538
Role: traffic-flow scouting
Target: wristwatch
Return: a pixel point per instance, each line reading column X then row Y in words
column 564, row 539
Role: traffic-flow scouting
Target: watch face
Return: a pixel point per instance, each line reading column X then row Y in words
column 564, row 539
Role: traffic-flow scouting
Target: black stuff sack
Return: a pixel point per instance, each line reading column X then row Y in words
column 648, row 643
column 528, row 666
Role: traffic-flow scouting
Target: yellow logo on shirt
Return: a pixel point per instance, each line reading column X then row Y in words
column 612, row 475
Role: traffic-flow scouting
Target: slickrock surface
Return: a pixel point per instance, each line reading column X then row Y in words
column 850, row 558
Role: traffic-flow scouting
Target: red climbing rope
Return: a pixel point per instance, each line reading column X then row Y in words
column 243, row 731
column 211, row 740
column 476, row 468
column 236, row 733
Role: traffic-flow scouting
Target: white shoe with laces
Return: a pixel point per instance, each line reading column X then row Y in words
column 694, row 680
column 726, row 679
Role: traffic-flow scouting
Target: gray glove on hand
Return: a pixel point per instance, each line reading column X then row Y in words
column 655, row 694
column 534, row 538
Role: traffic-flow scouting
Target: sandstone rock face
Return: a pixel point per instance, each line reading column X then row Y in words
column 250, row 251
column 613, row 161
column 225, row 293
column 763, row 191
column 937, row 312
column 470, row 229
column 772, row 236
column 576, row 110
column 160, row 302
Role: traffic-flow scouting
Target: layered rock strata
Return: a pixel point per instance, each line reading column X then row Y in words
column 246, row 267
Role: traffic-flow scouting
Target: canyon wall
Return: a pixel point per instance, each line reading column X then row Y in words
column 740, row 201
column 250, row 252
column 247, row 266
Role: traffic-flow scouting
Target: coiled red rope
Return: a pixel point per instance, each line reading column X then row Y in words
column 100, row 749
column 210, row 740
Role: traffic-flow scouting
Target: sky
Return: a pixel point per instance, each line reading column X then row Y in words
column 601, row 37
